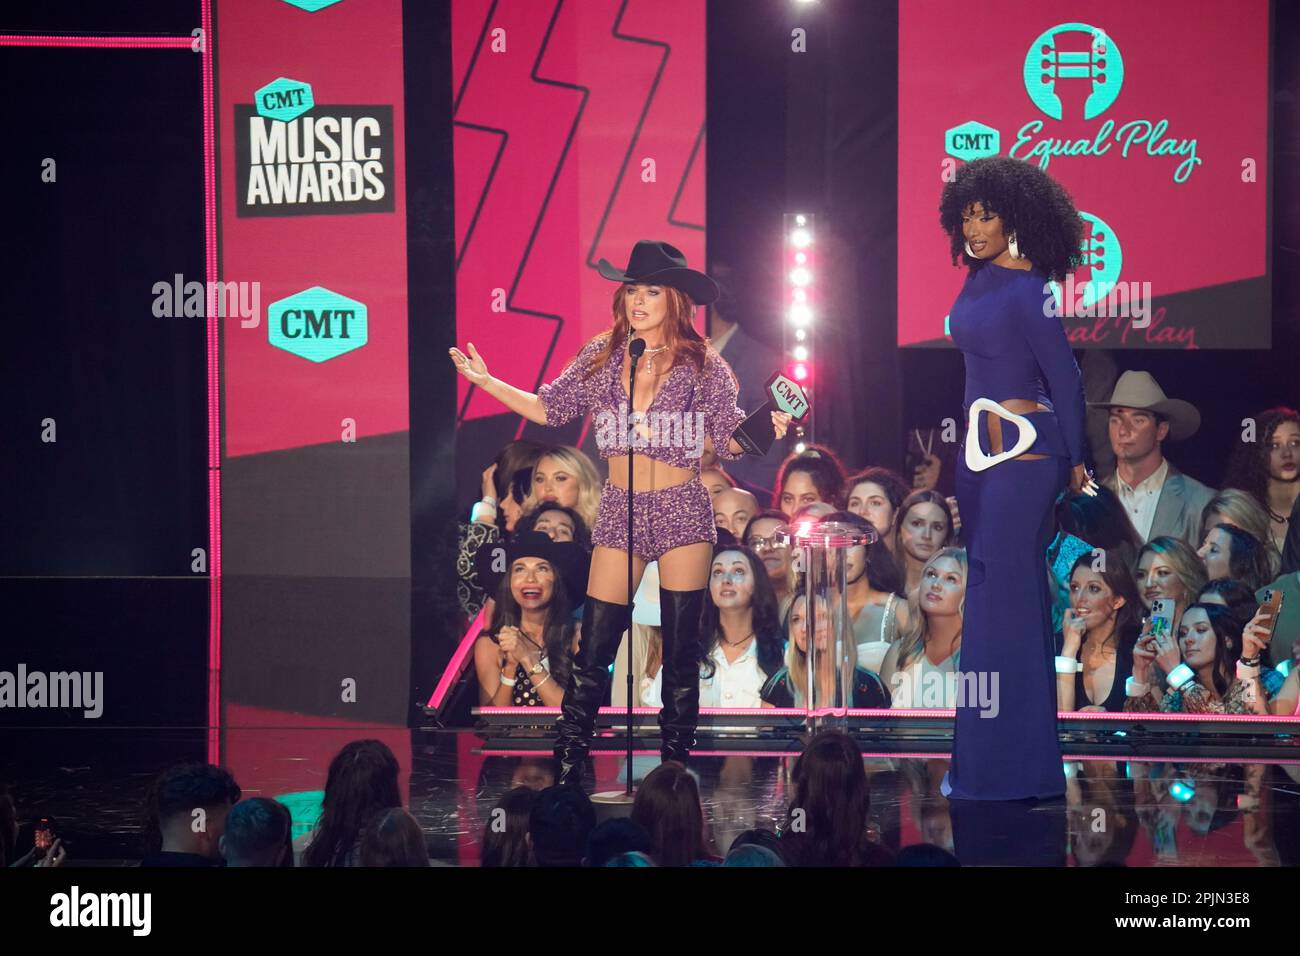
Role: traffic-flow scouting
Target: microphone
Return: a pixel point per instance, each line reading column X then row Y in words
column 635, row 348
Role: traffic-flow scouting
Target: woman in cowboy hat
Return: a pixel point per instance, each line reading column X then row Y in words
column 1014, row 228
column 687, row 385
column 524, row 657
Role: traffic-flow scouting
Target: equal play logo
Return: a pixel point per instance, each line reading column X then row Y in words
column 1075, row 53
column 317, row 324
column 295, row 157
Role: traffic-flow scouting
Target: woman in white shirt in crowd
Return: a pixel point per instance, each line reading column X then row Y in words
column 920, row 670
column 743, row 641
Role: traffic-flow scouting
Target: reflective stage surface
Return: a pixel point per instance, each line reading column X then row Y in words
column 1186, row 811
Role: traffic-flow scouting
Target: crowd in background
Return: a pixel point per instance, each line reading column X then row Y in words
column 1152, row 534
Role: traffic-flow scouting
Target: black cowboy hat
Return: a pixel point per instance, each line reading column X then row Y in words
column 571, row 563
column 658, row 263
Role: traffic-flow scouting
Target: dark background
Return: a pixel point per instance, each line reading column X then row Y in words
column 97, row 529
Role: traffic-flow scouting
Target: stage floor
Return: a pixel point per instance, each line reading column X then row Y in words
column 1185, row 811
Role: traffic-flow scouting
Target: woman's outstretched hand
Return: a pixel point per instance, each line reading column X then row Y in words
column 471, row 366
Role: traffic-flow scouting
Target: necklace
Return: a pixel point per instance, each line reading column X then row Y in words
column 739, row 643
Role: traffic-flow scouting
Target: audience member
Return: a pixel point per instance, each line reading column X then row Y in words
column 788, row 687
column 558, row 523
column 505, row 837
column 565, row 476
column 505, row 486
column 875, row 589
column 1200, row 669
column 922, row 667
column 733, row 509
column 814, row 474
column 393, row 838
column 1168, row 568
column 1100, row 629
column 1235, row 507
column 1229, row 552
column 362, row 781
column 1160, row 500
column 558, row 826
column 876, row 494
column 758, row 836
column 188, row 808
column 1268, row 468
column 924, row 526
column 257, row 834
column 615, row 837
column 760, row 537
column 524, row 657
column 826, row 821
column 667, row 806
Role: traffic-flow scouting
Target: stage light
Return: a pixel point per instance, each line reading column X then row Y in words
column 800, row 448
column 799, row 294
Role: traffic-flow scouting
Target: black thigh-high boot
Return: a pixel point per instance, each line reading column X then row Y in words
column 680, row 624
column 603, row 625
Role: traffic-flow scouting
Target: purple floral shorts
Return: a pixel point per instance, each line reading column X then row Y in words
column 661, row 520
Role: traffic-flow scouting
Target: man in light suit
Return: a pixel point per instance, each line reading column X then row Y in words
column 1157, row 497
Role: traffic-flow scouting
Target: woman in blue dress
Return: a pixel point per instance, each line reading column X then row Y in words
column 1014, row 228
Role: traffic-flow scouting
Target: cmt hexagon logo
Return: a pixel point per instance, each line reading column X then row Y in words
column 972, row 140
column 311, row 6
column 317, row 324
column 284, row 99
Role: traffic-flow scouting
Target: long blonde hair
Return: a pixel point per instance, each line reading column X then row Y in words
column 580, row 466
column 1187, row 565
column 1240, row 508
column 912, row 638
column 796, row 661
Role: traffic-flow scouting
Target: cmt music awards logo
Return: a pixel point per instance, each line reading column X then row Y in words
column 1065, row 54
column 317, row 324
column 296, row 157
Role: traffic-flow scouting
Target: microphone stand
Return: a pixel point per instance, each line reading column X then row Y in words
column 635, row 348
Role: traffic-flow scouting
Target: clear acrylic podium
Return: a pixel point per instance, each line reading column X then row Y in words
column 819, row 554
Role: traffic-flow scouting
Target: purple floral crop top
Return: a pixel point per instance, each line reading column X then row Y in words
column 688, row 408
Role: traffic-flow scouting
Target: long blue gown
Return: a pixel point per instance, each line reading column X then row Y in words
column 1005, row 745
